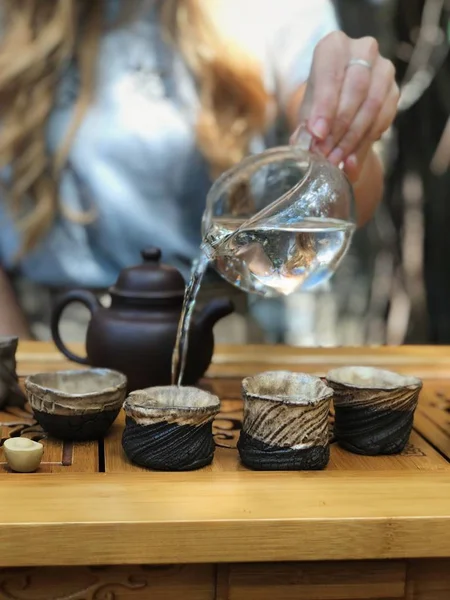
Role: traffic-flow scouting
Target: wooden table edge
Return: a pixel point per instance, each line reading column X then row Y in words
column 123, row 523
column 80, row 544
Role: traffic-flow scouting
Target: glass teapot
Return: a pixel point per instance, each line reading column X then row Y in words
column 279, row 221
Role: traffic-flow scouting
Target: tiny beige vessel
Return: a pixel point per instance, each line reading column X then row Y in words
column 23, row 455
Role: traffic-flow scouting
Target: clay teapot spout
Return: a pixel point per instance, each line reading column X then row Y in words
column 214, row 311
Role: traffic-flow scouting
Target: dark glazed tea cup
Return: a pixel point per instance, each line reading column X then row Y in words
column 374, row 409
column 76, row 405
column 170, row 428
column 285, row 422
column 10, row 392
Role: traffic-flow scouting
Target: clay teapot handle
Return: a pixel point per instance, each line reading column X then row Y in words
column 82, row 296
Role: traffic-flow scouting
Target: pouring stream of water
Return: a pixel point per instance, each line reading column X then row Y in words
column 179, row 356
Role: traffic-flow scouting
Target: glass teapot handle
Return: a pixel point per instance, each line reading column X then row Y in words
column 302, row 139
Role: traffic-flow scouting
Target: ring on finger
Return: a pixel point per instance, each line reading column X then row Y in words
column 360, row 62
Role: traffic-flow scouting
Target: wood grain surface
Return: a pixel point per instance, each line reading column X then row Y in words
column 91, row 506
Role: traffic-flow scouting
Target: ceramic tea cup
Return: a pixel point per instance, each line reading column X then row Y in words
column 10, row 392
column 170, row 428
column 374, row 409
column 285, row 423
column 76, row 405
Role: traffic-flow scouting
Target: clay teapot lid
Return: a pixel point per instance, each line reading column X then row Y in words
column 150, row 280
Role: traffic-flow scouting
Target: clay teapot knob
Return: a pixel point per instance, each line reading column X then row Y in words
column 151, row 254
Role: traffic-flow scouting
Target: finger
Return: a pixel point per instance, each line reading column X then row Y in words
column 354, row 163
column 387, row 113
column 378, row 101
column 355, row 88
column 382, row 123
column 325, row 83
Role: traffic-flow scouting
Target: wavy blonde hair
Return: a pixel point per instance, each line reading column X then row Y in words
column 41, row 37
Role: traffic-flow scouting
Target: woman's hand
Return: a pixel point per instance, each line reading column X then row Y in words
column 350, row 100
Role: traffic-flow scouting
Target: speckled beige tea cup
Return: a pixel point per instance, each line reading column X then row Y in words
column 285, row 423
column 76, row 405
column 170, row 428
column 374, row 409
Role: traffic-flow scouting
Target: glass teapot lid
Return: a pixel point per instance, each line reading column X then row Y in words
column 150, row 281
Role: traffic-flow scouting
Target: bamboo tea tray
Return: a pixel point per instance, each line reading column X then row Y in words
column 87, row 505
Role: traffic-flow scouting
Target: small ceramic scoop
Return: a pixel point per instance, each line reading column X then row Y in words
column 23, row 455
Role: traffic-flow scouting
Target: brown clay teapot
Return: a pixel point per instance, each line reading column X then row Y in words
column 136, row 334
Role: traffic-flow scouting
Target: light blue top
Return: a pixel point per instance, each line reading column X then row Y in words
column 134, row 158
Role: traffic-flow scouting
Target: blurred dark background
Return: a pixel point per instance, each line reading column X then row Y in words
column 395, row 284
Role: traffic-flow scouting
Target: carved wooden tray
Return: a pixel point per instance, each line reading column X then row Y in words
column 359, row 508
